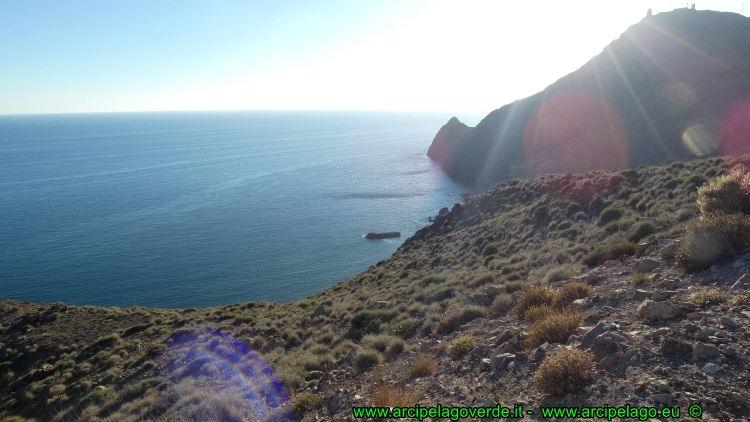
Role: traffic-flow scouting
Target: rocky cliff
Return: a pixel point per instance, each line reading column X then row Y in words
column 674, row 86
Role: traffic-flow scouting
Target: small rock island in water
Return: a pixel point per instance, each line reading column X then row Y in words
column 385, row 235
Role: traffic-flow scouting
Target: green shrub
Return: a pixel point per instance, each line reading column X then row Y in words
column 726, row 194
column 573, row 208
column 563, row 225
column 611, row 249
column 560, row 273
column 405, row 329
column 434, row 279
column 540, row 213
column 618, row 225
column 609, row 214
column 673, row 183
column 368, row 322
column 694, row 181
column 366, row 359
column 135, row 329
column 452, row 321
column 641, row 230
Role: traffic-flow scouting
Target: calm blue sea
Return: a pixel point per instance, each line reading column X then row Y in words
column 197, row 209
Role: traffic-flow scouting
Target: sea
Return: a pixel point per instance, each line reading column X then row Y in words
column 199, row 209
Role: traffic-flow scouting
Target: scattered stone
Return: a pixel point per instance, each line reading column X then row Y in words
column 479, row 299
column 658, row 296
column 646, row 265
column 690, row 327
column 640, row 294
column 673, row 346
column 665, row 399
column 486, row 364
column 592, row 279
column 499, row 362
column 661, row 310
column 741, row 282
column 703, row 351
column 579, row 305
column 728, row 322
column 506, row 347
column 664, row 387
column 701, row 335
column 699, row 315
column 494, row 290
column 336, row 404
column 588, row 339
column 709, row 368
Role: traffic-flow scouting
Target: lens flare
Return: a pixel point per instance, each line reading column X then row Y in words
column 209, row 347
column 574, row 132
column 701, row 139
column 677, row 97
column 735, row 129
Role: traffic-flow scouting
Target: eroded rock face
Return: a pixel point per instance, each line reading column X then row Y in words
column 703, row 351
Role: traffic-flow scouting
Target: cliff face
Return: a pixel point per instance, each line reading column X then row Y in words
column 675, row 86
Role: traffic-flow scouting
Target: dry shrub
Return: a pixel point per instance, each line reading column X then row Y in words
column 422, row 367
column 533, row 296
column 712, row 237
column 461, row 346
column 536, row 313
column 706, row 297
column 640, row 278
column 565, row 372
column 514, row 286
column 741, row 299
column 390, row 396
column 502, row 303
column 628, row 249
column 452, row 321
column 555, row 328
column 726, row 194
column 570, row 292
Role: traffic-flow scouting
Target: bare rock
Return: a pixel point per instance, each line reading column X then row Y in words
column 320, row 310
column 579, row 304
column 588, row 338
column 499, row 362
column 741, row 283
column 728, row 322
column 661, row 310
column 673, row 346
column 703, row 351
column 592, row 279
column 479, row 299
column 646, row 265
column 495, row 290
column 640, row 294
column 506, row 347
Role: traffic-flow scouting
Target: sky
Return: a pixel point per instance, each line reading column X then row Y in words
column 84, row 56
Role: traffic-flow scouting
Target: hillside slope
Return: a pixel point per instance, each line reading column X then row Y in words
column 674, row 86
column 509, row 289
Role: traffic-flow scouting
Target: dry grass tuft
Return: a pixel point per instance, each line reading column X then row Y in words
column 712, row 237
column 422, row 367
column 390, row 396
column 641, row 278
column 570, row 292
column 502, row 303
column 537, row 313
column 565, row 372
column 555, row 328
column 533, row 296
column 741, row 299
column 452, row 321
column 706, row 297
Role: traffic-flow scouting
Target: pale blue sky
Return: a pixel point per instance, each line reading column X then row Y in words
column 139, row 55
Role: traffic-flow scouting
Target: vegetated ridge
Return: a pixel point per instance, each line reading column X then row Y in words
column 674, row 86
column 567, row 289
